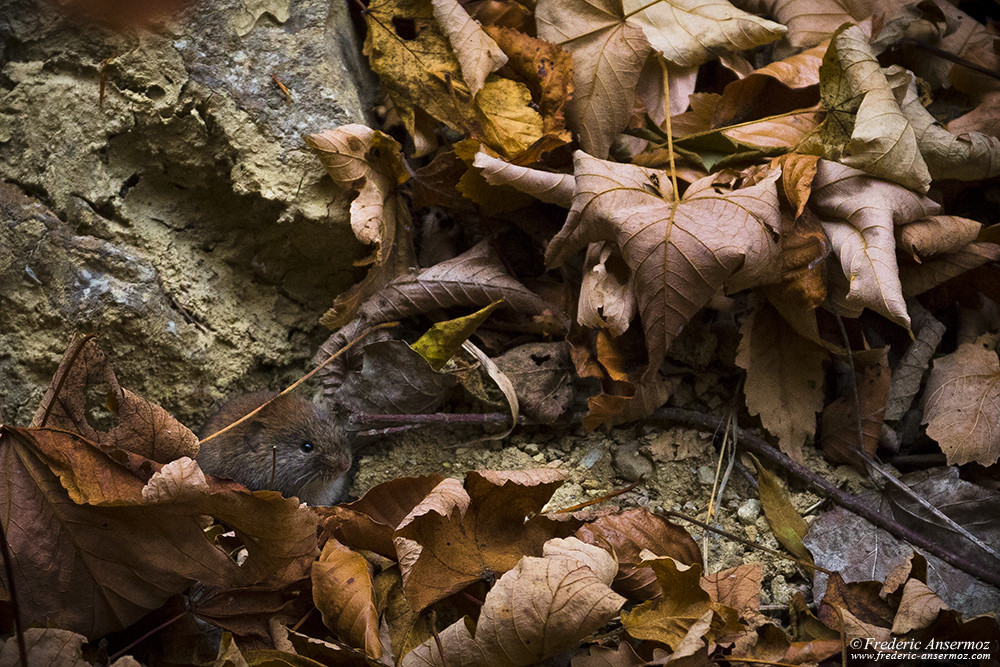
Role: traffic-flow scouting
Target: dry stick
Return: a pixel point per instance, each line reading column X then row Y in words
column 305, row 377
column 820, row 485
column 958, row 60
column 8, row 568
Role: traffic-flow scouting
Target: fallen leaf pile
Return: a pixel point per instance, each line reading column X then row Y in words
column 424, row 570
column 607, row 201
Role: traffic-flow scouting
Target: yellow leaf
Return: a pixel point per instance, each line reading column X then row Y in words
column 444, row 339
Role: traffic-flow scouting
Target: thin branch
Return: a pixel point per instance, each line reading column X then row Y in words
column 820, row 485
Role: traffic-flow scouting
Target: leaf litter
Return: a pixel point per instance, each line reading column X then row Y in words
column 642, row 199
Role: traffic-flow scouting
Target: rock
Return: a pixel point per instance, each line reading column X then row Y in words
column 706, row 475
column 630, row 464
column 182, row 217
column 748, row 512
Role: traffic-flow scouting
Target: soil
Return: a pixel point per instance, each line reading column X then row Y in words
column 680, row 463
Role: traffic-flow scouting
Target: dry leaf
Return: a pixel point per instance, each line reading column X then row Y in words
column 936, row 235
column 785, row 521
column 962, row 405
column 456, row 535
column 370, row 163
column 907, row 376
column 866, row 128
column 608, row 56
column 680, row 253
column 690, row 32
column 142, row 427
column 683, row 606
column 784, row 381
column 631, row 532
column 541, row 374
column 607, row 297
column 394, row 379
column 540, row 608
column 478, row 55
column 93, row 553
column 737, row 587
column 918, row 608
column 343, row 592
column 919, row 278
column 859, row 215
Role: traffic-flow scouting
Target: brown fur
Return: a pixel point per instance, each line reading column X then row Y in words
column 247, row 455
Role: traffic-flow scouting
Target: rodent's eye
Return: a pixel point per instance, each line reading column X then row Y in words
column 306, row 447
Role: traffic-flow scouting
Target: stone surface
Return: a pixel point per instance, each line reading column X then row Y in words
column 182, row 217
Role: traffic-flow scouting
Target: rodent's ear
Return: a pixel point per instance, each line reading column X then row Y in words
column 252, row 432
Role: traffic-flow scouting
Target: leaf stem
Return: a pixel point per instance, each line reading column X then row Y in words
column 670, row 130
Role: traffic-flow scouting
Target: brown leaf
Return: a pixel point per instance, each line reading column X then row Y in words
column 680, row 253
column 600, row 656
column 142, row 427
column 908, row 375
column 738, row 587
column 540, row 608
column 866, row 128
column 684, row 607
column 785, row 521
column 631, row 532
column 919, row 278
column 784, row 381
column 370, row 163
column 478, row 55
column 623, row 401
column 859, row 214
column 542, row 378
column 99, row 541
column 456, row 535
column 936, row 235
column 368, row 523
column 343, row 592
column 797, row 174
column 608, row 56
column 408, row 629
column 961, row 405
column 51, row 647
column 839, row 435
column 607, row 297
column 547, row 71
column 856, row 609
column 918, row 608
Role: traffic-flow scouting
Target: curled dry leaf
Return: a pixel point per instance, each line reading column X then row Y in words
column 631, row 532
column 813, row 22
column 935, row 235
column 680, row 253
column 394, row 379
column 607, row 297
column 919, row 278
column 94, row 551
column 962, row 405
column 785, row 521
column 538, row 609
column 368, row 523
column 784, row 380
column 907, row 377
column 684, row 607
column 343, row 592
column 477, row 277
column 859, row 215
column 370, row 163
column 456, row 535
column 918, row 608
column 866, row 128
column 478, row 55
column 142, row 427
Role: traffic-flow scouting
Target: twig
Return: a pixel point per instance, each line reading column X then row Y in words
column 958, row 60
column 8, row 568
column 594, row 501
column 369, row 419
column 147, row 635
column 818, row 484
column 305, row 377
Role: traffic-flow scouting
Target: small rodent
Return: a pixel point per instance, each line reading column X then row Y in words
column 312, row 455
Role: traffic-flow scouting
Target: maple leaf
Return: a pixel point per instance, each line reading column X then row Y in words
column 866, row 127
column 859, row 215
column 538, row 609
column 680, row 253
column 369, row 162
column 962, row 405
column 610, row 41
column 457, row 535
column 477, row 54
column 422, row 74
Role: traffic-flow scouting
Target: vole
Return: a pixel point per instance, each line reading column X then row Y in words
column 312, row 456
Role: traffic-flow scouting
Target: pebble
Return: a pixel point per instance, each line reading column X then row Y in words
column 748, row 512
column 630, row 464
column 706, row 475
column 531, row 449
column 540, row 458
column 591, row 458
